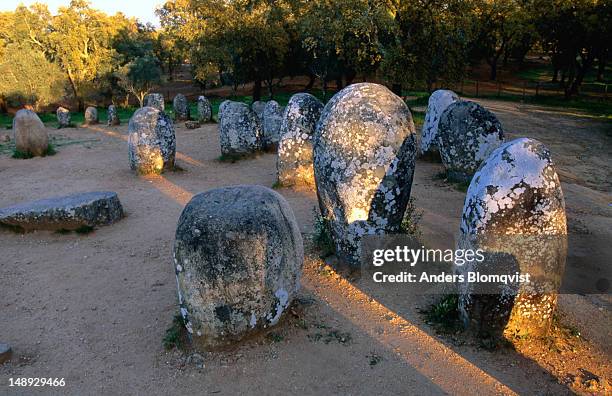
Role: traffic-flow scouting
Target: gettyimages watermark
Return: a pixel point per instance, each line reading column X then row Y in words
column 493, row 265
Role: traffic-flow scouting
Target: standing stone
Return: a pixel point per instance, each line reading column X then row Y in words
column 113, row 117
column 204, row 110
column 63, row 117
column 155, row 100
column 438, row 102
column 364, row 154
column 294, row 161
column 514, row 211
column 181, row 107
column 272, row 120
column 238, row 258
column 222, row 107
column 239, row 129
column 5, row 352
column 91, row 116
column 258, row 107
column 151, row 141
column 467, row 134
column 30, row 133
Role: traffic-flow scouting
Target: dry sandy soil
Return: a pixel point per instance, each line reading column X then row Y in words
column 93, row 309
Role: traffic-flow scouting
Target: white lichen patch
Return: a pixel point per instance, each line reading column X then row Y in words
column 438, row 102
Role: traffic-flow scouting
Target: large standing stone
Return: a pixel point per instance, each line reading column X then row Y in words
column 514, row 211
column 258, row 107
column 64, row 213
column 155, row 100
column 294, row 161
column 113, row 117
column 30, row 133
column 151, row 141
column 63, row 117
column 272, row 119
column 204, row 110
column 91, row 116
column 238, row 258
column 364, row 153
column 438, row 102
column 181, row 107
column 467, row 134
column 239, row 128
column 222, row 107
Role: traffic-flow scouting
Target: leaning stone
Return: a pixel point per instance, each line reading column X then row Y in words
column 151, row 141
column 30, row 133
column 294, row 161
column 438, row 102
column 91, row 116
column 69, row 212
column 63, row 117
column 239, row 129
column 272, row 119
column 5, row 353
column 181, row 108
column 192, row 124
column 364, row 154
column 515, row 212
column 155, row 100
column 258, row 107
column 113, row 117
column 238, row 258
column 467, row 134
column 204, row 109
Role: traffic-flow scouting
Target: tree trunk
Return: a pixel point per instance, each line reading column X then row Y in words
column 396, row 89
column 257, row 90
column 339, row 83
column 311, row 81
column 493, row 65
column 350, row 76
column 601, row 66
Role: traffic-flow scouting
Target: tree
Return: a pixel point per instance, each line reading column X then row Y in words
column 139, row 75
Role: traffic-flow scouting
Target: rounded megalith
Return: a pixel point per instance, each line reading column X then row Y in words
column 239, row 129
column 151, row 141
column 258, row 107
column 364, row 154
column 63, row 117
column 222, row 107
column 180, row 104
column 91, row 116
column 515, row 212
column 438, row 102
column 467, row 134
column 294, row 161
column 272, row 119
column 238, row 258
column 113, row 117
column 30, row 133
column 204, row 109
column 155, row 100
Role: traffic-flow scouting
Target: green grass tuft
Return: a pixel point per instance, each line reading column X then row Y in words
column 444, row 315
column 174, row 334
column 321, row 236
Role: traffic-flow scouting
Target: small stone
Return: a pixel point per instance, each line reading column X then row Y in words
column 192, row 124
column 155, row 100
column 204, row 109
column 151, row 141
column 272, row 119
column 239, row 129
column 63, row 117
column 113, row 117
column 180, row 105
column 438, row 102
column 69, row 212
column 30, row 133
column 91, row 116
column 5, row 353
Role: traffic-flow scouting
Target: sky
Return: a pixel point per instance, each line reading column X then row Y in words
column 141, row 9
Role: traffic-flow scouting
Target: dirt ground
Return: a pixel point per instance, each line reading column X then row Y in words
column 94, row 308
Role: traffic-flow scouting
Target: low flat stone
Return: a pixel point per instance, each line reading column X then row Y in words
column 69, row 212
column 5, row 352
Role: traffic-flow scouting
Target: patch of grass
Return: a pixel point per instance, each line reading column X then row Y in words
column 82, row 230
column 457, row 183
column 374, row 359
column 343, row 338
column 444, row 315
column 232, row 158
column 274, row 337
column 321, row 236
column 277, row 185
column 174, row 334
column 27, row 155
column 14, row 228
column 412, row 219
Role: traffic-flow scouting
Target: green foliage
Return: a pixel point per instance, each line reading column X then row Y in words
column 321, row 235
column 444, row 315
column 175, row 333
column 17, row 154
column 138, row 76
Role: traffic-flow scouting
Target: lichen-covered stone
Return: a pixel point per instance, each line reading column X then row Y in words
column 239, row 129
column 438, row 102
column 272, row 120
column 467, row 134
column 222, row 107
column 113, row 117
column 91, row 116
column 63, row 117
column 364, row 153
column 181, row 108
column 294, row 161
column 30, row 133
column 258, row 107
column 238, row 259
column 155, row 100
column 204, row 109
column 514, row 210
column 64, row 213
column 151, row 141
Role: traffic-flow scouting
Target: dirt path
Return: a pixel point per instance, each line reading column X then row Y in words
column 94, row 308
